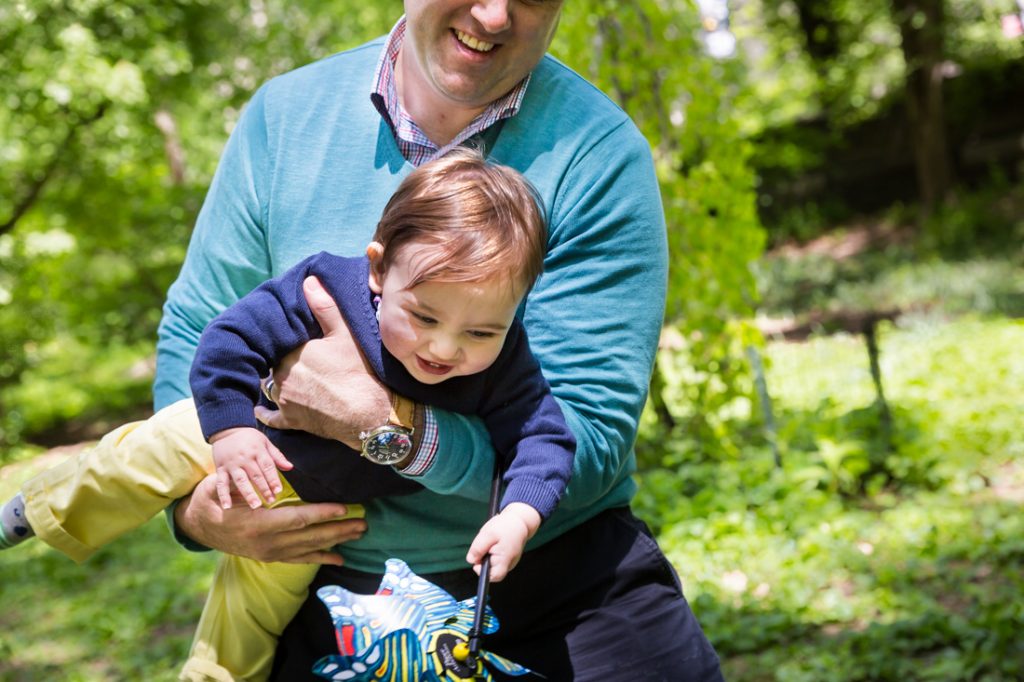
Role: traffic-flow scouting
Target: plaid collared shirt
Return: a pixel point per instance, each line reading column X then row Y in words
column 418, row 149
column 415, row 146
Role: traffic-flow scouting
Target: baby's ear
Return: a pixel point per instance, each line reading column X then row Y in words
column 375, row 252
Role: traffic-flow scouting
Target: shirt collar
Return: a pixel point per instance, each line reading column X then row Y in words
column 413, row 143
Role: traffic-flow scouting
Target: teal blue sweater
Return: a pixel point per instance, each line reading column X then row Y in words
column 310, row 166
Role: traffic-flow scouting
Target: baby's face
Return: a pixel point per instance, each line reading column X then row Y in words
column 440, row 330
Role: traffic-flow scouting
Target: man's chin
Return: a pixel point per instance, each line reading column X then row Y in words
column 465, row 91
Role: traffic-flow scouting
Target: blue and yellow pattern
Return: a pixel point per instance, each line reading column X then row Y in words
column 406, row 632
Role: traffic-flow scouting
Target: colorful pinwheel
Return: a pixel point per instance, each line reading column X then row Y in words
column 411, row 630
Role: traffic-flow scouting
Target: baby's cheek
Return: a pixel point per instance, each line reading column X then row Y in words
column 485, row 359
column 396, row 335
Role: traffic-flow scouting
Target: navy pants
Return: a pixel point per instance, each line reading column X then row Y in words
column 601, row 602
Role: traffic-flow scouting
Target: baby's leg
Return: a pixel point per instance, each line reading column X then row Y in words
column 248, row 607
column 133, row 473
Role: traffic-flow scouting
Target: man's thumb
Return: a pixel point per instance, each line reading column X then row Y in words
column 323, row 307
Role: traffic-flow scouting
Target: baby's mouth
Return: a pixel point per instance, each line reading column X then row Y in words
column 433, row 367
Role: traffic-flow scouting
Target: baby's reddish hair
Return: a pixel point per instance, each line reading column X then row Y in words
column 485, row 219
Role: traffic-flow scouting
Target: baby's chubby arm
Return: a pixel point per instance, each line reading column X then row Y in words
column 245, row 457
column 504, row 537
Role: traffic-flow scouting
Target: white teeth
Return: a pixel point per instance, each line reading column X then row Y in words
column 472, row 42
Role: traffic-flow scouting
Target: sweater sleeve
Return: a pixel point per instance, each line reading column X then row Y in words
column 528, row 431
column 593, row 317
column 243, row 343
column 227, row 256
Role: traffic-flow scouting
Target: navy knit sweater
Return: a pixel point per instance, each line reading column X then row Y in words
column 512, row 397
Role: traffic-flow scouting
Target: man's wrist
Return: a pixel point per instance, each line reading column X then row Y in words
column 409, row 414
column 174, row 514
column 424, row 447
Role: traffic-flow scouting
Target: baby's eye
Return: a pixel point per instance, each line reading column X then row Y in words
column 481, row 335
column 424, row 318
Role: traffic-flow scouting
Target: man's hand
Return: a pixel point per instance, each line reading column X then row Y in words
column 248, row 461
column 325, row 387
column 300, row 534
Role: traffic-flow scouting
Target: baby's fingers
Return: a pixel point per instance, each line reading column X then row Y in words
column 482, row 544
column 224, row 488
column 264, row 475
column 499, row 568
column 241, row 480
column 280, row 461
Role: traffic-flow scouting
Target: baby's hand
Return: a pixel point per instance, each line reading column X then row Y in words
column 504, row 537
column 245, row 457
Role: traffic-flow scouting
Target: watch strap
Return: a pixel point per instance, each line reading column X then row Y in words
column 403, row 412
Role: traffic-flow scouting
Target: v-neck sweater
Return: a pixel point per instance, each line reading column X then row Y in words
column 309, row 168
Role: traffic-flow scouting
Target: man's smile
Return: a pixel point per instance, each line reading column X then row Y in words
column 471, row 42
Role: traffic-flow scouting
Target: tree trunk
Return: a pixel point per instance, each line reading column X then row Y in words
column 922, row 26
column 821, row 31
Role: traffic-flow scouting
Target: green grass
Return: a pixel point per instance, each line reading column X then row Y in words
column 857, row 562
column 126, row 614
column 849, row 563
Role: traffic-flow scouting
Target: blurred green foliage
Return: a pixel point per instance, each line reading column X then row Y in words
column 857, row 66
column 113, row 124
column 110, row 128
column 829, row 108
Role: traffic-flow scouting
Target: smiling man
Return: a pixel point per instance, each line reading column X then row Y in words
column 459, row 58
column 314, row 158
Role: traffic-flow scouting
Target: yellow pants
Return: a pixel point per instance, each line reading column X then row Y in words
column 135, row 472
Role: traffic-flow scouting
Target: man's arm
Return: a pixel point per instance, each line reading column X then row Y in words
column 227, row 255
column 326, row 387
column 227, row 258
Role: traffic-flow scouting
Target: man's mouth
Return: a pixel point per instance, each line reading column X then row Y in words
column 472, row 43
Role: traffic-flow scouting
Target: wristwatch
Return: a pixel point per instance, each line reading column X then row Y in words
column 391, row 443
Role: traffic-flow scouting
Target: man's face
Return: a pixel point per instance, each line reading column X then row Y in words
column 471, row 53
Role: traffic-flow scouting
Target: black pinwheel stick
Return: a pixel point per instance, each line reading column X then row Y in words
column 485, row 572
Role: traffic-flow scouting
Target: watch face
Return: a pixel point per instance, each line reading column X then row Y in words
column 387, row 446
